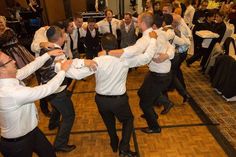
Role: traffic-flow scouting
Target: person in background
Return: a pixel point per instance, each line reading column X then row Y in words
column 157, row 8
column 20, row 135
column 101, row 5
column 188, row 15
column 109, row 24
column 78, row 34
column 149, row 6
column 128, row 31
column 10, row 45
column 92, row 40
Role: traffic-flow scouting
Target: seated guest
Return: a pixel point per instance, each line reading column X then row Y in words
column 92, row 40
column 20, row 135
column 34, row 6
column 10, row 45
column 109, row 24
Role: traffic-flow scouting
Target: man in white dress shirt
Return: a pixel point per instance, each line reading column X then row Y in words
column 109, row 24
column 78, row 33
column 111, row 96
column 189, row 12
column 158, row 78
column 20, row 135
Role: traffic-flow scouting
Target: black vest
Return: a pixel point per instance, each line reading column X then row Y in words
column 127, row 38
column 90, row 42
column 47, row 70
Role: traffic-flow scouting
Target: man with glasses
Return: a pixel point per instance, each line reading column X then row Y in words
column 20, row 135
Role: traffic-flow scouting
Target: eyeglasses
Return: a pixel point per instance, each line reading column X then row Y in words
column 6, row 63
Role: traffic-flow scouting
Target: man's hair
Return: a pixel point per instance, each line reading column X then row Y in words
column 221, row 14
column 54, row 33
column 109, row 42
column 206, row 1
column 77, row 15
column 168, row 19
column 147, row 18
column 210, row 13
column 129, row 14
column 169, row 6
column 158, row 20
column 91, row 19
column 59, row 24
column 67, row 22
column 107, row 10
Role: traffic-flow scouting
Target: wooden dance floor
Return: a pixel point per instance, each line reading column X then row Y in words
column 183, row 134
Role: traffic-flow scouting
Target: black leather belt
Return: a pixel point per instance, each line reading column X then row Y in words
column 16, row 139
column 159, row 74
column 112, row 96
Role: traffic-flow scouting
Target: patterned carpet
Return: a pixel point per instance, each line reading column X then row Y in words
column 214, row 106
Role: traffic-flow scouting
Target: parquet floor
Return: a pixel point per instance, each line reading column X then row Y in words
column 183, row 133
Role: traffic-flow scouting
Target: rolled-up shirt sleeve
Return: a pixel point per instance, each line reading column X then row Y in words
column 170, row 50
column 30, row 94
column 32, row 67
column 144, row 58
column 138, row 48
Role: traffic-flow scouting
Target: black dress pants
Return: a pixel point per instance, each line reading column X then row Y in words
column 151, row 92
column 116, row 107
column 34, row 141
column 62, row 103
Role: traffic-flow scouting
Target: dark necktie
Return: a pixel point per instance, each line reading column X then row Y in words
column 71, row 43
column 78, row 40
column 110, row 27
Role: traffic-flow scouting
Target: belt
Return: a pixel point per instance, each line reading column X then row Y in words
column 159, row 74
column 112, row 96
column 16, row 139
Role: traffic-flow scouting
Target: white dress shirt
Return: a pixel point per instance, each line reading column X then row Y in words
column 74, row 35
column 112, row 72
column 184, row 29
column 163, row 46
column 18, row 114
column 188, row 15
column 103, row 26
column 39, row 36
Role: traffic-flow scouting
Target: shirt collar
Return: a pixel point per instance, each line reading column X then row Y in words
column 57, row 46
column 146, row 32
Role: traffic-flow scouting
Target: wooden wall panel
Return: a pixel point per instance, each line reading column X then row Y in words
column 55, row 10
column 78, row 6
column 3, row 7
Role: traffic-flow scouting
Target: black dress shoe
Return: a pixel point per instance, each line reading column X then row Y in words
column 67, row 148
column 128, row 153
column 151, row 131
column 186, row 98
column 167, row 108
